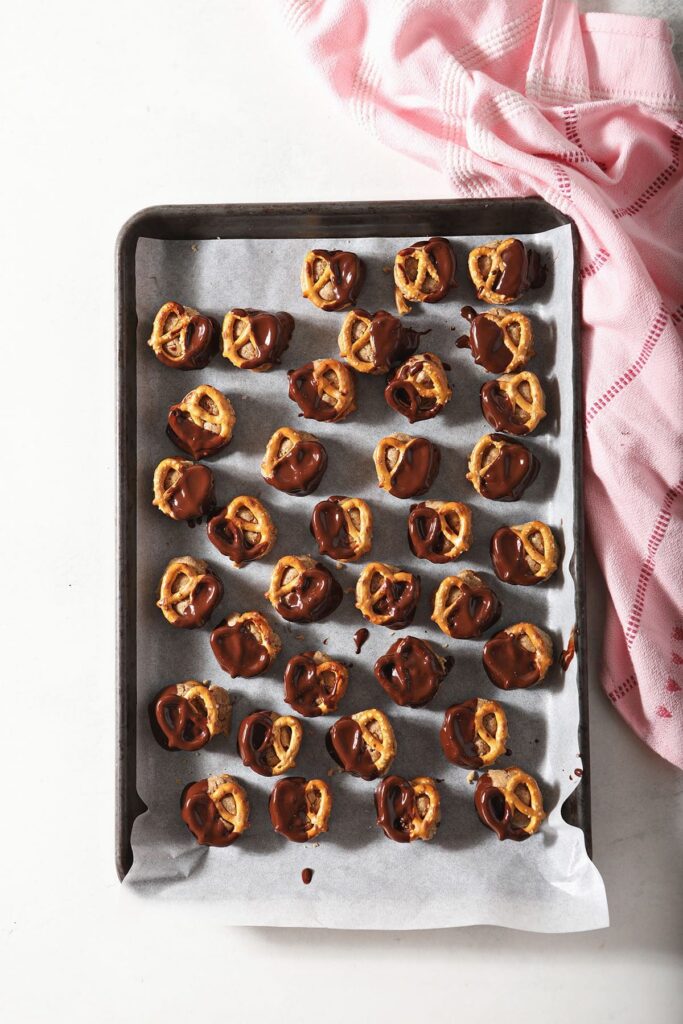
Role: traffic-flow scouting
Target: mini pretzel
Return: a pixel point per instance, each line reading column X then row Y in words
column 386, row 595
column 188, row 592
column 501, row 469
column 342, row 528
column 182, row 489
column 185, row 716
column 268, row 743
column 523, row 814
column 514, row 403
column 408, row 810
column 300, row 809
column 303, row 590
column 294, row 462
column 324, row 390
column 181, row 337
column 487, row 264
column 539, row 546
column 255, row 340
column 243, row 530
column 216, row 810
column 374, row 343
column 210, row 411
column 419, row 389
column 527, row 655
column 423, row 272
column 314, row 683
column 378, row 738
column 499, row 340
column 331, row 280
column 406, row 466
column 474, row 733
column 245, row 645
column 439, row 531
column 464, row 607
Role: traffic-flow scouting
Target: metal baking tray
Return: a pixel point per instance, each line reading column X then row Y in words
column 379, row 219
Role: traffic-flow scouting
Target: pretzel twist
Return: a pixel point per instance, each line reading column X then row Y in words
column 414, row 289
column 260, row 629
column 526, row 396
column 535, row 641
column 484, row 454
column 509, row 782
column 540, row 547
column 356, row 345
column 485, row 263
column 280, row 445
column 254, row 522
column 214, row 701
column 494, row 741
column 286, row 575
column 286, row 747
column 358, row 522
column 455, row 523
column 378, row 737
column 335, row 386
column 373, row 586
column 338, row 676
column 388, row 456
column 170, row 330
column 319, row 807
column 230, row 801
column 312, row 285
column 209, row 409
column 428, row 808
column 426, row 373
column 181, row 578
column 165, row 477
column 447, row 595
column 518, row 335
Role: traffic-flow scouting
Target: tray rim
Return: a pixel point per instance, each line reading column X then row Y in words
column 173, row 222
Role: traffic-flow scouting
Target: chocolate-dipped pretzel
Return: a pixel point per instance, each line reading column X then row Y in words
column 245, row 645
column 324, row 390
column 502, row 271
column 294, row 462
column 342, row 528
column 411, row 671
column 256, row 340
column 406, row 466
column 314, row 683
column 499, row 340
column 514, row 403
column 501, row 469
column 362, row 744
column 418, row 389
column 408, row 810
column 185, row 716
column 509, row 802
column 525, row 554
column 202, row 423
column 243, row 530
column 375, row 342
column 439, row 531
column 183, row 490
column 463, row 607
column 269, row 743
column 302, row 590
column 189, row 592
column 216, row 810
column 331, row 279
column 387, row 596
column 518, row 657
column 181, row 337
column 474, row 733
column 423, row 272
column 299, row 808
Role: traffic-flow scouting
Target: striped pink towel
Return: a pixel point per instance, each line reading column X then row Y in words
column 523, row 97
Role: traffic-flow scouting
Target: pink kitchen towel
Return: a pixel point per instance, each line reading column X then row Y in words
column 529, row 97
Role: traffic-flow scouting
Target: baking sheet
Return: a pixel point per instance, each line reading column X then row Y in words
column 361, row 880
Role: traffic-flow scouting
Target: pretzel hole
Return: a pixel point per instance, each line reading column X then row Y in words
column 514, row 331
column 391, row 456
column 289, row 575
column 424, row 379
column 423, row 803
column 375, row 729
column 284, row 448
column 452, row 521
column 328, row 680
column 490, row 456
column 410, row 267
column 180, row 581
column 173, row 347
column 229, row 805
column 208, row 405
column 484, row 264
column 171, row 477
column 518, row 816
column 354, row 515
column 525, row 390
column 330, row 377
column 527, row 643
column 313, row 799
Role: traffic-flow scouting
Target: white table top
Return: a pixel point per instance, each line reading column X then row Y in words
column 105, row 112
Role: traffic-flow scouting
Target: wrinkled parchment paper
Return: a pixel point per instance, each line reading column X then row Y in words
column 361, row 879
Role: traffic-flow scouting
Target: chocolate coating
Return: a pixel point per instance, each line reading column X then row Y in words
column 521, row 270
column 177, row 723
column 192, row 494
column 304, row 391
column 288, row 808
column 301, row 470
column 348, row 274
column 391, row 341
column 191, row 438
column 396, row 807
column 417, row 470
column 271, row 334
column 398, row 599
column 458, row 735
column 494, row 812
column 315, row 596
column 346, row 745
column 425, row 536
column 201, row 816
column 410, row 672
column 254, row 740
column 207, row 594
column 227, row 535
column 199, row 345
column 509, row 559
column 499, row 411
column 508, row 664
column 485, row 341
column 443, row 259
column 328, row 526
column 514, row 469
column 474, row 611
column 403, row 397
column 303, row 687
column 238, row 651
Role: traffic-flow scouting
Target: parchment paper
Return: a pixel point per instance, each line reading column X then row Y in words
column 361, row 879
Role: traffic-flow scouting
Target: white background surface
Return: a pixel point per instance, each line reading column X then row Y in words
column 106, row 109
